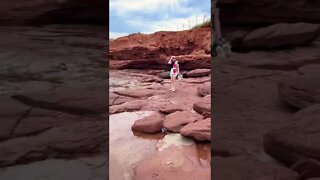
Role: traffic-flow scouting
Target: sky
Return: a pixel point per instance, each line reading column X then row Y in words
column 149, row 16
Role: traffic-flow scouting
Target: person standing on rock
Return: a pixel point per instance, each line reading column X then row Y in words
column 174, row 72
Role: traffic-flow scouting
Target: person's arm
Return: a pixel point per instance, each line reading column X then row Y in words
column 170, row 60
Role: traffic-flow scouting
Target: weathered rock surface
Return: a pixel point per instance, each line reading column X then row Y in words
column 277, row 59
column 275, row 36
column 245, row 167
column 175, row 121
column 170, row 108
column 149, row 124
column 309, row 69
column 72, row 140
column 312, row 111
column 200, row 130
column 55, row 77
column 135, row 93
column 11, row 113
column 186, row 62
column 39, row 120
column 204, row 90
column 199, row 73
column 142, row 46
column 308, row 168
column 115, row 99
column 173, row 164
column 295, row 141
column 300, row 91
column 203, row 107
column 82, row 169
column 130, row 106
column 66, row 99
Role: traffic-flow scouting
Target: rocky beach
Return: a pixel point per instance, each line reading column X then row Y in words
column 53, row 91
column 266, row 94
column 156, row 133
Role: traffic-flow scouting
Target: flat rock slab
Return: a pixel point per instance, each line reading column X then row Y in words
column 175, row 121
column 277, row 59
column 200, row 130
column 170, row 108
column 275, row 36
column 244, row 167
column 198, row 73
column 149, row 124
column 83, row 138
column 115, row 99
column 64, row 170
column 75, row 99
column 130, row 106
column 310, row 68
column 295, row 141
column 135, row 93
column 300, row 91
column 39, row 120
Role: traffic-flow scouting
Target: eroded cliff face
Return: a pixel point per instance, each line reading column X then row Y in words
column 41, row 12
column 156, row 47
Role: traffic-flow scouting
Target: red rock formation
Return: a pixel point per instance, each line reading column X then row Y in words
column 152, row 50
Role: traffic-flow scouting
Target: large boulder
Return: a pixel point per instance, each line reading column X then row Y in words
column 170, row 108
column 175, row 121
column 149, row 124
column 203, row 107
column 300, row 91
column 281, row 35
column 296, row 141
column 200, row 130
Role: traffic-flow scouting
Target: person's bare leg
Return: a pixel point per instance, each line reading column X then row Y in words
column 174, row 83
column 171, row 83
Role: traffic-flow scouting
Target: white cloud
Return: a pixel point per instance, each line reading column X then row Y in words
column 135, row 13
column 123, row 7
column 169, row 24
